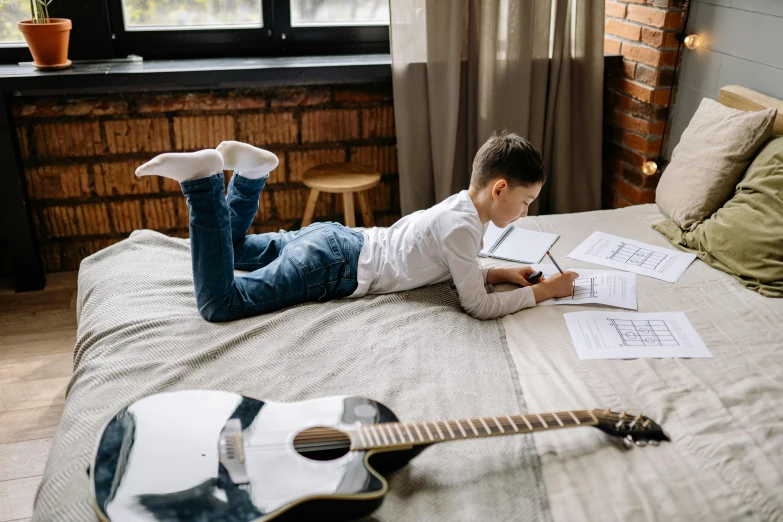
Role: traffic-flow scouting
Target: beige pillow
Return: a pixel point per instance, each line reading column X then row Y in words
column 707, row 163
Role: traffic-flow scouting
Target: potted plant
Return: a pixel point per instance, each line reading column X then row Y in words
column 46, row 37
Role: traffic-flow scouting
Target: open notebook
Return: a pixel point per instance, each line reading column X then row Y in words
column 516, row 244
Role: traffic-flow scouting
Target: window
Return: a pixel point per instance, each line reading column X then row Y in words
column 143, row 15
column 339, row 12
column 163, row 29
column 220, row 28
column 11, row 12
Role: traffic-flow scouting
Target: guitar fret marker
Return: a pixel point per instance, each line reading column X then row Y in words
column 527, row 422
column 459, row 425
column 438, row 430
column 513, row 424
column 475, row 431
column 361, row 438
column 574, row 417
column 557, row 419
column 429, row 433
column 499, row 426
column 486, row 427
column 399, row 431
column 418, row 432
column 449, row 428
column 408, row 431
column 546, row 426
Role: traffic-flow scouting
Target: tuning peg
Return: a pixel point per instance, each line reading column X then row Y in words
column 654, row 443
column 641, row 443
column 628, row 442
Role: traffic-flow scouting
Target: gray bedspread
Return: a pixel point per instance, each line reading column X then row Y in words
column 724, row 415
column 139, row 333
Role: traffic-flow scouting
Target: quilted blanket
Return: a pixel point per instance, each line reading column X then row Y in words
column 139, row 333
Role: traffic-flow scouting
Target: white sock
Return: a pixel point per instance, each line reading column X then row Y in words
column 247, row 160
column 183, row 166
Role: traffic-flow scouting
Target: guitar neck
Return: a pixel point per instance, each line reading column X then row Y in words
column 390, row 435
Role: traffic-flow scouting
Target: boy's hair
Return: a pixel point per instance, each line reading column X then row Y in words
column 508, row 156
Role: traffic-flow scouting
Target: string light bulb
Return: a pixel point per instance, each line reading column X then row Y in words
column 649, row 168
column 691, row 41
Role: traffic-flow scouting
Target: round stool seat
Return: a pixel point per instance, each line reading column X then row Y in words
column 341, row 177
column 345, row 179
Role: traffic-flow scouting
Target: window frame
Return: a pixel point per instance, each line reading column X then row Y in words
column 190, row 43
column 15, row 54
column 99, row 33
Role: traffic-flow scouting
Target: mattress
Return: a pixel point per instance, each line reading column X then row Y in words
column 724, row 415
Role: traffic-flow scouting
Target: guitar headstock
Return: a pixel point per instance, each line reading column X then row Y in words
column 633, row 429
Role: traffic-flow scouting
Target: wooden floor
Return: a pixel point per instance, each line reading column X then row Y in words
column 37, row 334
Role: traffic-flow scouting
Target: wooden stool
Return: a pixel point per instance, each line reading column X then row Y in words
column 345, row 179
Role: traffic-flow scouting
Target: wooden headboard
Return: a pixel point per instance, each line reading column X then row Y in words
column 745, row 99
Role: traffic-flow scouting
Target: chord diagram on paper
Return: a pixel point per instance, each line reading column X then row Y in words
column 584, row 288
column 633, row 255
column 644, row 333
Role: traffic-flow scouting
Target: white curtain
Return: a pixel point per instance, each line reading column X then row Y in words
column 463, row 69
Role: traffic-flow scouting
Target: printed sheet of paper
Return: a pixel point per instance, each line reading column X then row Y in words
column 630, row 335
column 596, row 287
column 633, row 256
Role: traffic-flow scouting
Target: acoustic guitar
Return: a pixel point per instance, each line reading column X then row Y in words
column 219, row 456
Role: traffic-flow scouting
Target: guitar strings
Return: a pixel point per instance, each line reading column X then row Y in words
column 325, row 438
column 326, row 431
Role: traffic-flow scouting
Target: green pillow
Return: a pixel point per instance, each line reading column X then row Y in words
column 745, row 237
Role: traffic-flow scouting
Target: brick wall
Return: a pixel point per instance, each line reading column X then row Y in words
column 80, row 153
column 637, row 93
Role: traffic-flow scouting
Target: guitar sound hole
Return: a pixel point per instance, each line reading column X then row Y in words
column 322, row 443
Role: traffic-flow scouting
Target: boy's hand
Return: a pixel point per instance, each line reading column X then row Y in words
column 558, row 285
column 512, row 275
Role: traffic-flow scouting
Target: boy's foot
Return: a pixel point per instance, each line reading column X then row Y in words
column 247, row 160
column 183, row 166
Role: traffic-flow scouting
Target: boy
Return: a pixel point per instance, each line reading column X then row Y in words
column 328, row 261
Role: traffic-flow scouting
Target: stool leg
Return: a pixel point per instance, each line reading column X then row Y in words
column 364, row 204
column 312, row 199
column 350, row 218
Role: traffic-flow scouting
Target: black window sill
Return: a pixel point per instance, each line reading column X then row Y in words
column 126, row 75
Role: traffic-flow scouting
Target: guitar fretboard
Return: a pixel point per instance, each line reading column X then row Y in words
column 397, row 434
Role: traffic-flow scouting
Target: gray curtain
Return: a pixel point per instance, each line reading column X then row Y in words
column 463, row 69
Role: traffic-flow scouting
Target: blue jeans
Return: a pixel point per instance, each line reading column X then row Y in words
column 316, row 263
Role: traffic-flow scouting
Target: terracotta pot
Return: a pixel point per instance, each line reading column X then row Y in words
column 48, row 42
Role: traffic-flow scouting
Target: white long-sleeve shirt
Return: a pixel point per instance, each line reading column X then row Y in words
column 432, row 246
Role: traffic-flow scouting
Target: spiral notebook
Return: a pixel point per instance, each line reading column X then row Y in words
column 516, row 244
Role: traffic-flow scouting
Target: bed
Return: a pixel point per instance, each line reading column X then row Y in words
column 139, row 334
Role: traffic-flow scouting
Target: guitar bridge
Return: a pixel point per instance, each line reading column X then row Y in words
column 231, row 451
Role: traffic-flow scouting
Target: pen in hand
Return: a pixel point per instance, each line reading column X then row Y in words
column 555, row 262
